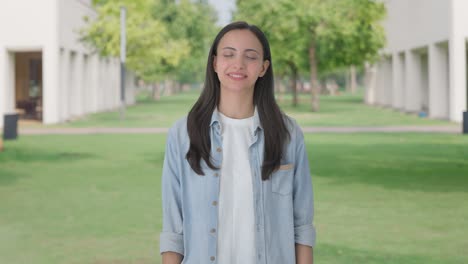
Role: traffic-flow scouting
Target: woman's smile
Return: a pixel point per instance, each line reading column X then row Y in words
column 237, row 76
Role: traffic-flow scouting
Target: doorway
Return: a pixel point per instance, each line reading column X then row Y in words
column 28, row 85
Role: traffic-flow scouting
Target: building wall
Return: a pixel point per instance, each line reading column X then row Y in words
column 415, row 23
column 427, row 41
column 75, row 80
column 25, row 26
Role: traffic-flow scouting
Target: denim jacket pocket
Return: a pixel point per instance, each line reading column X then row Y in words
column 282, row 180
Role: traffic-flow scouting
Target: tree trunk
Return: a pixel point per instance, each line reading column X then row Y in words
column 353, row 79
column 156, row 92
column 293, row 83
column 314, row 89
column 168, row 87
column 177, row 86
column 282, row 89
column 348, row 81
column 278, row 91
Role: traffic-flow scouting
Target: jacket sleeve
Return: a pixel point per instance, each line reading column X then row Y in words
column 172, row 237
column 304, row 230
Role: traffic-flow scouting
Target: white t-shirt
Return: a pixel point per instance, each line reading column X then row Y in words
column 236, row 241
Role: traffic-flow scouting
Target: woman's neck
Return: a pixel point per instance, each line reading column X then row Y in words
column 236, row 105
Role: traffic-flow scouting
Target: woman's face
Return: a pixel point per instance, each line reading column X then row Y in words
column 239, row 61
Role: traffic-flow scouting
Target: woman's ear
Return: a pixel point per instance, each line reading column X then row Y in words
column 266, row 64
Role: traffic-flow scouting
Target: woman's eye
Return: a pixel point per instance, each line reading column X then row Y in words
column 251, row 56
column 228, row 55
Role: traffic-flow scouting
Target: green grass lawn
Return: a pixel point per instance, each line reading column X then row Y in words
column 380, row 198
column 344, row 110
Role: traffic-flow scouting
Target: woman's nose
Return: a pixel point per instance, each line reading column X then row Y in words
column 240, row 62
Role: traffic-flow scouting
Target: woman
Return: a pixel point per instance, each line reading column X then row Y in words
column 236, row 186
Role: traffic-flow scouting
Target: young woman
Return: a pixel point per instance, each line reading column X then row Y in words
column 236, row 186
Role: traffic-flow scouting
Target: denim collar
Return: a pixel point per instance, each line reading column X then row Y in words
column 216, row 123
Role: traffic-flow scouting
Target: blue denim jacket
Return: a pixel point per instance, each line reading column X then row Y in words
column 283, row 205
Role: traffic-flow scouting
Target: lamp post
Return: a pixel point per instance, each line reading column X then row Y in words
column 123, row 13
column 465, row 122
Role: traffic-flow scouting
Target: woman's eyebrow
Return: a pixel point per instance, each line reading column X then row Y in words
column 246, row 50
column 254, row 50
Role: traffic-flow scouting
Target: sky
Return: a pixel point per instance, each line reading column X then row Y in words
column 224, row 8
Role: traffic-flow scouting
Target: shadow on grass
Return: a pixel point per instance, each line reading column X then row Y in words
column 409, row 166
column 154, row 158
column 332, row 105
column 326, row 253
column 8, row 176
column 16, row 156
column 34, row 155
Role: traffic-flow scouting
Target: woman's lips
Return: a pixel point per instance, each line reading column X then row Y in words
column 237, row 76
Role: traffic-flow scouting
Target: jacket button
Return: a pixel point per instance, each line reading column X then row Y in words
column 218, row 149
column 213, row 230
column 216, row 174
column 214, row 203
column 212, row 258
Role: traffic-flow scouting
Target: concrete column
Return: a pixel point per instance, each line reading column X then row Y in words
column 78, row 85
column 117, row 92
column 413, row 86
column 7, row 83
column 3, row 82
column 438, row 81
column 94, row 82
column 107, row 83
column 370, row 83
column 424, row 81
column 64, row 108
column 102, row 86
column 398, row 80
column 380, row 82
column 86, row 93
column 114, row 83
column 457, row 60
column 388, row 82
column 72, row 88
column 51, row 82
column 457, row 75
column 50, row 72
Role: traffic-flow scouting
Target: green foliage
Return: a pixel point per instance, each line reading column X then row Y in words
column 164, row 38
column 193, row 22
column 278, row 21
column 344, row 32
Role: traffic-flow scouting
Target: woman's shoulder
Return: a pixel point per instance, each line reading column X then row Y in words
column 291, row 124
column 179, row 129
column 179, row 124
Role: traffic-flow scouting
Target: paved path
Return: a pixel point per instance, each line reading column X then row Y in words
column 147, row 130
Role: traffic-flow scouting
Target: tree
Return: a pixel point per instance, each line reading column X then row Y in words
column 283, row 34
column 150, row 48
column 330, row 34
column 193, row 22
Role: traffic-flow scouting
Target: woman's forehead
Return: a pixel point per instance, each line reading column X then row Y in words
column 240, row 40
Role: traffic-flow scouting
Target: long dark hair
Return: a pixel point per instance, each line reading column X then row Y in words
column 271, row 117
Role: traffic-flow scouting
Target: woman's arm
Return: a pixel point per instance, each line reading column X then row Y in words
column 171, row 258
column 304, row 254
column 172, row 237
column 303, row 202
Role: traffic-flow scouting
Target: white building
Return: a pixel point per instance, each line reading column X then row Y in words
column 45, row 72
column 424, row 65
